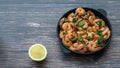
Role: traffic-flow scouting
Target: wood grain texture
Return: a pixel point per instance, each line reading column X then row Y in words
column 26, row 22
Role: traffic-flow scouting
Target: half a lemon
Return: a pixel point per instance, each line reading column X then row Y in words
column 37, row 52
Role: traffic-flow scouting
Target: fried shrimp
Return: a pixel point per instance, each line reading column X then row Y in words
column 66, row 41
column 81, row 31
column 78, row 47
column 72, row 36
column 80, row 11
column 93, row 47
column 70, row 16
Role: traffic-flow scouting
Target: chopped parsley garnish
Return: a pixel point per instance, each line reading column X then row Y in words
column 64, row 32
column 64, row 21
column 99, row 33
column 81, row 23
column 100, row 40
column 74, row 20
column 99, row 23
column 80, row 38
column 72, row 37
column 89, row 38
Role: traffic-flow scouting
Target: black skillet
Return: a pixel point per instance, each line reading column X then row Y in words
column 98, row 13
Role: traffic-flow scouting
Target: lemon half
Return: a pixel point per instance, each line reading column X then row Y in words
column 37, row 52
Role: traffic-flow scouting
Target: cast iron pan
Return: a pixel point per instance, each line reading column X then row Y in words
column 98, row 13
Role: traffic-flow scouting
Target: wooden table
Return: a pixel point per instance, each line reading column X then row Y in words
column 26, row 22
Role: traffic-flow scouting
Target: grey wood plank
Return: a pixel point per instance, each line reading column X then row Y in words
column 26, row 22
column 55, row 1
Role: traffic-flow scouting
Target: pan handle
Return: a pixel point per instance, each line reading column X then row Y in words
column 64, row 49
column 103, row 12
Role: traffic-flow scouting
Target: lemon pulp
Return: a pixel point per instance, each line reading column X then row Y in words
column 37, row 52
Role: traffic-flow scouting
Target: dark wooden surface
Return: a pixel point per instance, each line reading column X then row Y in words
column 26, row 22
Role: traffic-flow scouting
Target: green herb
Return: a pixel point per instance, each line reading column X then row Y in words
column 84, row 28
column 72, row 37
column 64, row 21
column 64, row 32
column 89, row 38
column 85, row 13
column 100, row 40
column 99, row 23
column 80, row 38
column 99, row 32
column 74, row 20
column 81, row 23
column 90, row 30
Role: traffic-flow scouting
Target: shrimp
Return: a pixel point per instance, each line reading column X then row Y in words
column 71, row 16
column 103, row 23
column 105, row 31
column 99, row 22
column 93, row 47
column 95, row 36
column 86, row 25
column 90, row 34
column 70, row 26
column 80, row 28
column 102, row 29
column 78, row 21
column 78, row 48
column 84, row 36
column 91, row 19
column 107, row 35
column 80, row 11
column 89, row 29
column 62, row 34
column 66, row 41
column 95, row 28
column 80, row 33
column 72, row 36
column 90, row 13
column 62, row 21
column 85, row 40
column 67, row 26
